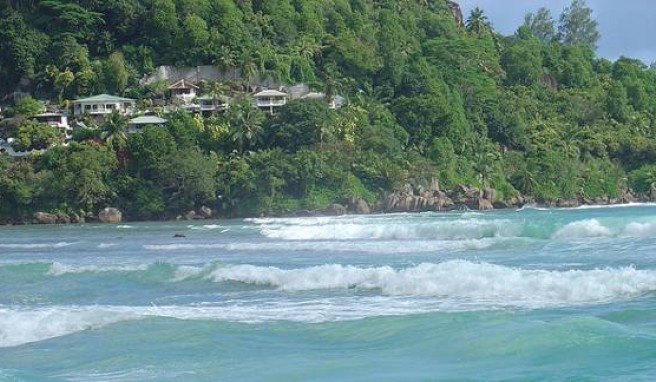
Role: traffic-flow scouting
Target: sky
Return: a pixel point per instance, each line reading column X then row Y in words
column 627, row 27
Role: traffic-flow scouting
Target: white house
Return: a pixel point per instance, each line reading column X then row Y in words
column 58, row 121
column 137, row 124
column 183, row 92
column 270, row 100
column 209, row 104
column 102, row 104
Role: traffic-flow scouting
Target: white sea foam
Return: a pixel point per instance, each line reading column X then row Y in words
column 474, row 282
column 36, row 245
column 356, row 293
column 583, row 229
column 18, row 327
column 124, row 226
column 470, row 228
column 640, row 229
column 184, row 272
column 181, row 247
column 370, row 246
column 106, row 245
column 60, row 269
column 606, row 206
column 206, row 227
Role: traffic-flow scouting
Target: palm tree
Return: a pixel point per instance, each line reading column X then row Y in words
column 245, row 121
column 477, row 22
column 248, row 68
column 225, row 59
column 114, row 131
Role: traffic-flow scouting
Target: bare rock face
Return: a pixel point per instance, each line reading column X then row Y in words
column 456, row 12
column 484, row 204
column 567, row 202
column 359, row 206
column 205, row 212
column 335, row 210
column 44, row 218
column 489, row 194
column 110, row 215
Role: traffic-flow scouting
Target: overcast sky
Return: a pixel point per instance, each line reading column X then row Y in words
column 628, row 27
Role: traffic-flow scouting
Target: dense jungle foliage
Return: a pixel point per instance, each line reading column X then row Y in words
column 535, row 113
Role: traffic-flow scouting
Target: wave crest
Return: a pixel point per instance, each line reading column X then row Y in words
column 474, row 282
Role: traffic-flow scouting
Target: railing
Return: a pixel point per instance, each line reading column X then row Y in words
column 269, row 103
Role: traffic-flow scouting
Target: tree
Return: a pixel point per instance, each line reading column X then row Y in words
column 577, row 27
column 114, row 130
column 115, row 73
column 245, row 122
column 32, row 135
column 477, row 22
column 541, row 24
column 82, row 175
column 197, row 36
column 21, row 48
column 301, row 123
column 186, row 178
column 28, row 107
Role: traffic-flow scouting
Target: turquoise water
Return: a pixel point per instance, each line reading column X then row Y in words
column 525, row 295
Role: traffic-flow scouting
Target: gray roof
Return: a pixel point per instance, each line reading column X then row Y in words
column 208, row 97
column 49, row 114
column 148, row 120
column 104, row 98
column 270, row 93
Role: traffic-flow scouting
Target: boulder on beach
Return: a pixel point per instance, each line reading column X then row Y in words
column 44, row 218
column 335, row 210
column 110, row 215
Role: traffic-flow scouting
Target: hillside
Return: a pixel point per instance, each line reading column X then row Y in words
column 430, row 100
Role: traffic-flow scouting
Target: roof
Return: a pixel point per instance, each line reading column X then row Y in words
column 270, row 93
column 45, row 115
column 183, row 84
column 314, row 95
column 103, row 98
column 148, row 120
column 208, row 97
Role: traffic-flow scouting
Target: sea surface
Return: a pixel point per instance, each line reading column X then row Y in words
column 533, row 294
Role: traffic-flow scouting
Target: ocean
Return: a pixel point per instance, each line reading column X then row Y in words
column 532, row 294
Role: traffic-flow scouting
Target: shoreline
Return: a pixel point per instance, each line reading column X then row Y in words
column 322, row 213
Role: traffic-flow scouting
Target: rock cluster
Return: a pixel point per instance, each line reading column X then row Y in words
column 461, row 197
column 203, row 213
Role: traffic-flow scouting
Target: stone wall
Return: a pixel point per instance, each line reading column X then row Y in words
column 203, row 73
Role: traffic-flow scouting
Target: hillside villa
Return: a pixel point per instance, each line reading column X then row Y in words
column 137, row 124
column 270, row 100
column 184, row 95
column 183, row 92
column 102, row 105
column 58, row 121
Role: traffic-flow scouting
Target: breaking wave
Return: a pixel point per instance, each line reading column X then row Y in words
column 36, row 245
column 482, row 282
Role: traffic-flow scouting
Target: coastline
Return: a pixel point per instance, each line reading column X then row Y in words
column 407, row 200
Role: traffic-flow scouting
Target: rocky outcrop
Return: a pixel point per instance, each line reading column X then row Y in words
column 110, row 215
column 58, row 218
column 567, row 202
column 44, row 218
column 358, row 206
column 416, row 199
column 205, row 212
column 456, row 12
column 335, row 210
